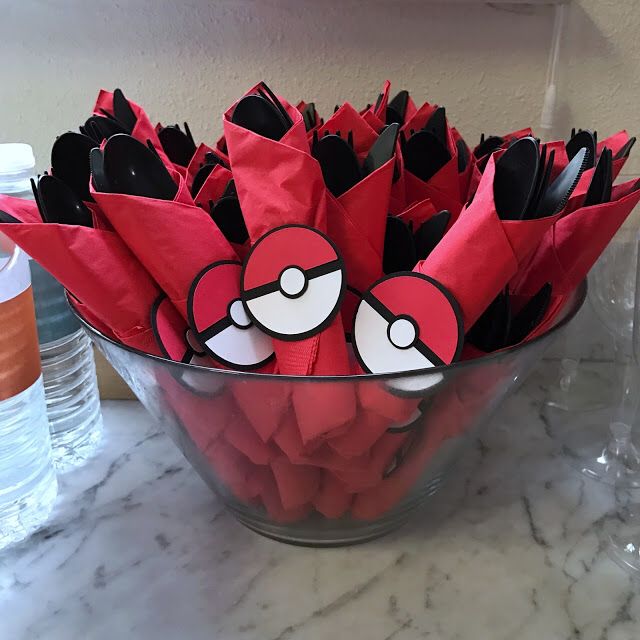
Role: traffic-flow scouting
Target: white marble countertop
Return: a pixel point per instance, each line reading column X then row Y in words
column 139, row 548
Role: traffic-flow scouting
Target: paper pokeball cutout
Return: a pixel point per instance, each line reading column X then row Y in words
column 177, row 343
column 174, row 338
column 407, row 322
column 220, row 321
column 293, row 282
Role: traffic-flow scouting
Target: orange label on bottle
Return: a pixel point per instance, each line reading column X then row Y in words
column 19, row 350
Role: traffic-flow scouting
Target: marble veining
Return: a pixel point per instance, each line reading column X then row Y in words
column 138, row 547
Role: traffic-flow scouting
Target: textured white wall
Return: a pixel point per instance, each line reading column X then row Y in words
column 191, row 59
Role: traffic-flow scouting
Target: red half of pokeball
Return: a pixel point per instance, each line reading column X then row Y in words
column 407, row 322
column 172, row 332
column 293, row 282
column 220, row 322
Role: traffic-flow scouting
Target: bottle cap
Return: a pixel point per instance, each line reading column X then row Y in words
column 16, row 157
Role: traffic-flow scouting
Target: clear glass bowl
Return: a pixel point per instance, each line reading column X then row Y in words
column 240, row 433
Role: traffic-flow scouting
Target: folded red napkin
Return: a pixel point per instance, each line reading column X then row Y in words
column 346, row 120
column 174, row 240
column 443, row 189
column 481, row 253
column 357, row 223
column 279, row 183
column 213, row 187
column 197, row 160
column 95, row 266
column 569, row 250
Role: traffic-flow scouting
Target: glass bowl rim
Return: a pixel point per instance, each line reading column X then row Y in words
column 579, row 297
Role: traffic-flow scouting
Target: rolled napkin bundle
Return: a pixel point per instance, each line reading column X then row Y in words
column 279, row 183
column 94, row 265
column 474, row 272
column 173, row 239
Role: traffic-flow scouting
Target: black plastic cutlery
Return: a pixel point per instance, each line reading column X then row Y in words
column 430, row 233
column 424, row 155
column 210, row 162
column 530, row 316
column 397, row 108
column 263, row 114
column 583, row 139
column 599, row 190
column 123, row 112
column 70, row 162
column 338, row 161
column 403, row 248
column 341, row 169
column 515, row 179
column 132, row 168
column 178, row 145
column 57, row 202
column 399, row 247
column 227, row 214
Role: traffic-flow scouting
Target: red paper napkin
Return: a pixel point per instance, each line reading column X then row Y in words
column 279, row 183
column 481, row 253
column 174, row 240
column 95, row 266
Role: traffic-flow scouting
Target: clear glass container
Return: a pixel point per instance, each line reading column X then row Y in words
column 68, row 366
column 240, row 433
column 28, row 485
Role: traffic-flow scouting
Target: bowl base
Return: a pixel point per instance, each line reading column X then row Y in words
column 319, row 532
column 310, row 538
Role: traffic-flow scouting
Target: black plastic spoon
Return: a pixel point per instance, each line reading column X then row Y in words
column 98, row 176
column 60, row 204
column 515, row 179
column 397, row 108
column 123, row 112
column 177, row 145
column 437, row 125
column 131, row 168
column 424, row 155
column 399, row 247
column 430, row 233
column 338, row 161
column 227, row 214
column 583, row 139
column 70, row 161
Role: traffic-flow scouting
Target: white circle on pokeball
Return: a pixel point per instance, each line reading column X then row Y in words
column 284, row 316
column 372, row 335
column 238, row 314
column 293, row 282
column 402, row 333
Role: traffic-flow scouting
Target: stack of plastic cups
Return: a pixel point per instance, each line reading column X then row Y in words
column 68, row 367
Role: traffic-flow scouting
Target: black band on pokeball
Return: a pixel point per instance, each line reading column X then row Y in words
column 418, row 345
column 335, row 265
column 220, row 325
column 310, row 274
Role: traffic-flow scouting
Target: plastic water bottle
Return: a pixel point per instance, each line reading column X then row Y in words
column 68, row 367
column 28, row 485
